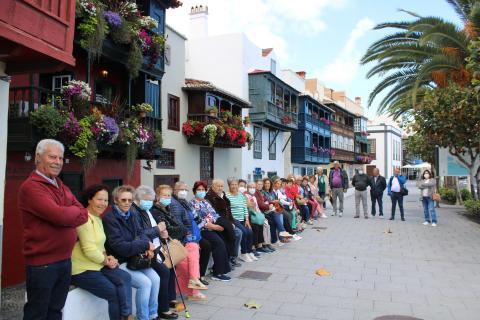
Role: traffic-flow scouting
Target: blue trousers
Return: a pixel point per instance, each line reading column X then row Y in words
column 273, row 225
column 429, row 209
column 247, row 237
column 397, row 198
column 113, row 285
column 47, row 290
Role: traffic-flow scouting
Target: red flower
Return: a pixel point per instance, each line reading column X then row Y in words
column 232, row 134
column 199, row 128
column 187, row 129
column 242, row 137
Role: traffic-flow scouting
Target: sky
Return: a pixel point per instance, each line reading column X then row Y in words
column 325, row 38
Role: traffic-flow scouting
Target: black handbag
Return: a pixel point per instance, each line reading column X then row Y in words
column 404, row 191
column 138, row 262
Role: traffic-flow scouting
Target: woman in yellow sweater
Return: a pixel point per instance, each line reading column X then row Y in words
column 92, row 269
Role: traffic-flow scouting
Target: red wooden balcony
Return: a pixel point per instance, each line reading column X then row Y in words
column 36, row 35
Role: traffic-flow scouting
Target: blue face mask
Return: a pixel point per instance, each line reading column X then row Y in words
column 146, row 204
column 201, row 194
column 166, row 201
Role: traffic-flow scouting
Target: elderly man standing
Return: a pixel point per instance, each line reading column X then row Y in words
column 50, row 215
column 378, row 184
column 361, row 181
column 338, row 180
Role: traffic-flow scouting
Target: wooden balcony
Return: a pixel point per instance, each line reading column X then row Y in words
column 275, row 117
column 309, row 155
column 201, row 140
column 343, row 155
column 309, row 123
column 36, row 35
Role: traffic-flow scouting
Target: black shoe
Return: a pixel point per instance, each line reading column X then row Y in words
column 173, row 304
column 392, row 218
column 269, row 247
column 403, row 219
column 263, row 250
column 373, row 214
column 163, row 315
column 255, row 253
column 204, row 281
column 221, row 277
column 235, row 263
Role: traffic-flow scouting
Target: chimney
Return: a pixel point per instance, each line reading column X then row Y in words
column 301, row 74
column 198, row 22
column 358, row 100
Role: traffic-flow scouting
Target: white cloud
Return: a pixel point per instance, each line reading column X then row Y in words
column 344, row 68
column 263, row 21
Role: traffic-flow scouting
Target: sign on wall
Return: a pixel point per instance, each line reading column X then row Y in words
column 449, row 165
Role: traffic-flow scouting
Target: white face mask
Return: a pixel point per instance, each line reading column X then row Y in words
column 242, row 189
column 252, row 190
column 360, row 171
column 427, row 176
column 182, row 194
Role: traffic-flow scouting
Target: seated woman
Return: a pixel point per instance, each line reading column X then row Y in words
column 188, row 271
column 289, row 213
column 314, row 190
column 257, row 220
column 156, row 229
column 238, row 205
column 125, row 239
column 206, row 220
column 275, row 210
column 92, row 269
column 306, row 192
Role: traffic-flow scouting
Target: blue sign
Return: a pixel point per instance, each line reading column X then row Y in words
column 258, row 171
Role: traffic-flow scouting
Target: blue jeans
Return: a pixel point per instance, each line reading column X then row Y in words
column 113, row 285
column 247, row 236
column 273, row 226
column 304, row 212
column 429, row 209
column 47, row 289
column 375, row 199
column 238, row 240
column 147, row 283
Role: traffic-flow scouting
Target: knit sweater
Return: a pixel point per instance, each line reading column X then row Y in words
column 238, row 205
column 50, row 215
column 88, row 251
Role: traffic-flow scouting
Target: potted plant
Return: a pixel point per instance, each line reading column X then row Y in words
column 212, row 111
column 142, row 109
column 210, row 130
column 246, row 121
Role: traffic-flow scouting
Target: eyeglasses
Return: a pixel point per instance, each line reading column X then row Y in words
column 126, row 200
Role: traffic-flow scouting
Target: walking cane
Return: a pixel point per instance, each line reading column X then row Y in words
column 187, row 314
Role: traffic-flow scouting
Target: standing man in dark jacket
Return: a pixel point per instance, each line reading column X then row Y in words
column 338, row 180
column 50, row 214
column 378, row 184
column 361, row 181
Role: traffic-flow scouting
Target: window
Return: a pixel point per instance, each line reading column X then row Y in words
column 273, row 66
column 104, row 91
column 112, row 183
column 57, row 83
column 279, row 97
column 257, row 142
column 357, row 124
column 206, row 164
column 372, row 146
column 286, row 100
column 271, row 174
column 166, row 159
column 173, row 112
column 165, row 179
column 272, row 142
column 272, row 91
column 334, row 140
column 74, row 181
column 340, row 142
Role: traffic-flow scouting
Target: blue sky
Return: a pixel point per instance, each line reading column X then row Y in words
column 325, row 38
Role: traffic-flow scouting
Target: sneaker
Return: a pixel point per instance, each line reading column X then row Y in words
column 296, row 238
column 204, row 281
column 403, row 219
column 340, row 214
column 426, row 223
column 197, row 297
column 381, row 216
column 252, row 256
column 392, row 218
column 434, row 224
column 255, row 253
column 356, row 217
column 269, row 247
column 196, row 284
column 221, row 277
column 323, row 216
column 263, row 250
column 333, row 214
column 310, row 222
column 279, row 243
column 234, row 262
column 366, row 217
column 285, row 234
column 245, row 257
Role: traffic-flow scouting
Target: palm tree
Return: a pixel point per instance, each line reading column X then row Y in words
column 420, row 55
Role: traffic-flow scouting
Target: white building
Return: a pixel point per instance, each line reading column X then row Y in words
column 385, row 141
column 227, row 62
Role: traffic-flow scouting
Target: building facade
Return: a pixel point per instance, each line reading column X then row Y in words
column 385, row 141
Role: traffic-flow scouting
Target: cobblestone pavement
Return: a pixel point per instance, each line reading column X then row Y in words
column 421, row 271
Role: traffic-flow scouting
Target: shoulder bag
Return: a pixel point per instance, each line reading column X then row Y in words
column 177, row 250
column 257, row 218
column 138, row 262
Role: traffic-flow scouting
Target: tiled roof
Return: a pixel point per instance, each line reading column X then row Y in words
column 202, row 85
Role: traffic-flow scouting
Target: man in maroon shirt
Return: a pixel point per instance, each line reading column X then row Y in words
column 50, row 214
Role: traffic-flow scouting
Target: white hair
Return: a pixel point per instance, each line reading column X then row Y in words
column 43, row 144
column 144, row 191
column 217, row 181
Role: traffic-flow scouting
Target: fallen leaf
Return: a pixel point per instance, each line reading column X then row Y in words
column 322, row 272
column 252, row 305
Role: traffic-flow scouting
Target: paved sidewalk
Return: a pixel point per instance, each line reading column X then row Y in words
column 422, row 271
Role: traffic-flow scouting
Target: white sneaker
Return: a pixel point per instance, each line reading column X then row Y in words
column 324, row 216
column 426, row 223
column 245, row 257
column 278, row 244
column 333, row 214
column 381, row 217
column 285, row 234
column 340, row 214
column 296, row 238
column 434, row 224
column 252, row 256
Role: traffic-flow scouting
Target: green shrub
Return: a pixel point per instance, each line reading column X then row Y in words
column 48, row 120
column 466, row 194
column 448, row 195
column 472, row 206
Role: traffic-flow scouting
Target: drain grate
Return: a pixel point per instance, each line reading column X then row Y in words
column 393, row 317
column 255, row 275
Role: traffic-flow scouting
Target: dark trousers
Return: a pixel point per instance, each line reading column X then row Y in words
column 270, row 216
column 304, row 212
column 228, row 235
column 257, row 234
column 247, row 237
column 375, row 199
column 397, row 197
column 219, row 252
column 113, row 285
column 322, row 195
column 287, row 221
column 47, row 289
column 167, row 286
column 205, row 251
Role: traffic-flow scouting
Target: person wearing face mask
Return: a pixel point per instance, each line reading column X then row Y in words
column 360, row 182
column 427, row 185
column 212, row 242
column 156, row 230
column 188, row 271
column 257, row 221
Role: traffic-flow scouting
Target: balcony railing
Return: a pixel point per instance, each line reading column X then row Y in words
column 23, row 100
column 199, row 139
column 281, row 116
